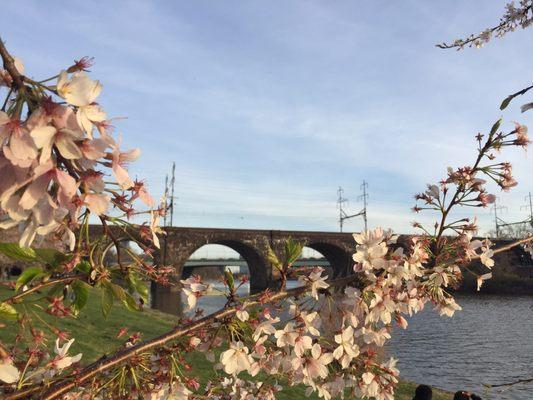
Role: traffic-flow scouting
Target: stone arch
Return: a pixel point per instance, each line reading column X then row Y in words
column 339, row 259
column 259, row 277
column 177, row 250
column 257, row 268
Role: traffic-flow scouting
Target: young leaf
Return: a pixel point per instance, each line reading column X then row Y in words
column 506, row 102
column 81, row 293
column 496, row 126
column 27, row 276
column 118, row 291
column 7, row 311
column 293, row 250
column 15, row 252
column 229, row 279
column 56, row 289
column 130, row 303
column 51, row 257
column 138, row 286
column 274, row 260
column 107, row 300
column 84, row 266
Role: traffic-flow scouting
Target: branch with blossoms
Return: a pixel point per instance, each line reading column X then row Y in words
column 327, row 335
column 515, row 17
column 56, row 150
column 520, row 16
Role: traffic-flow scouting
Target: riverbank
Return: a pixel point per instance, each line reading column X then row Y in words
column 94, row 333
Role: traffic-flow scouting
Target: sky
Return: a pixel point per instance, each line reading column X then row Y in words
column 267, row 107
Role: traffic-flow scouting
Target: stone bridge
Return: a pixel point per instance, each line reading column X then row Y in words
column 513, row 275
column 252, row 244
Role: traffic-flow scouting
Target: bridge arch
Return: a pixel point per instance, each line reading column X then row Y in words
column 339, row 259
column 257, row 267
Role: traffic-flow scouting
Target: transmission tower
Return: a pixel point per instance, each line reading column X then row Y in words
column 364, row 197
column 169, row 199
column 166, row 201
column 172, row 182
column 341, row 201
column 498, row 222
column 529, row 200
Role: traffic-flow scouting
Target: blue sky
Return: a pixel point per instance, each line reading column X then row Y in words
column 267, row 107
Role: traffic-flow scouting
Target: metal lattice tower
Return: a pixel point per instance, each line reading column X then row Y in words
column 341, row 201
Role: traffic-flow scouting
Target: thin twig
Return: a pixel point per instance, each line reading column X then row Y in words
column 36, row 288
column 509, row 383
column 507, row 247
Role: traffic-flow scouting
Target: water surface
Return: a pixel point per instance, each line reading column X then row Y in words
column 489, row 341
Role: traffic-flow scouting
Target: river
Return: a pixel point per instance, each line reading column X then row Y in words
column 489, row 341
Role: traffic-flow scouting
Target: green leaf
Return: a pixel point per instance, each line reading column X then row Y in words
column 274, row 260
column 506, row 102
column 51, row 257
column 81, row 293
column 130, row 303
column 293, row 250
column 27, row 276
column 56, row 289
column 84, row 266
column 46, row 256
column 107, row 300
column 496, row 126
column 7, row 311
column 138, row 286
column 15, row 252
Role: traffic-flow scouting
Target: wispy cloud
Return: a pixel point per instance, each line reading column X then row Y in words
column 268, row 109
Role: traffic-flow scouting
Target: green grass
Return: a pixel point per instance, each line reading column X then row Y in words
column 96, row 335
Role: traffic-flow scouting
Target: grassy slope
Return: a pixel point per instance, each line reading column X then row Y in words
column 96, row 335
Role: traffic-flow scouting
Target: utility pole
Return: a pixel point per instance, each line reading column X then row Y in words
column 364, row 196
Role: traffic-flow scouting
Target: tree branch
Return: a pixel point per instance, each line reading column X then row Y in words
column 124, row 355
column 9, row 66
column 121, row 356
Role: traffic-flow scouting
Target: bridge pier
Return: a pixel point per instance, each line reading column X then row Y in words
column 166, row 298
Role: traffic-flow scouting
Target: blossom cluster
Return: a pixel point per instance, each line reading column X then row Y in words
column 60, row 163
column 56, row 147
column 328, row 340
column 54, row 164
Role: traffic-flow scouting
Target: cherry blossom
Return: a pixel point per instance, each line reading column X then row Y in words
column 63, row 360
column 236, row 358
column 8, row 372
